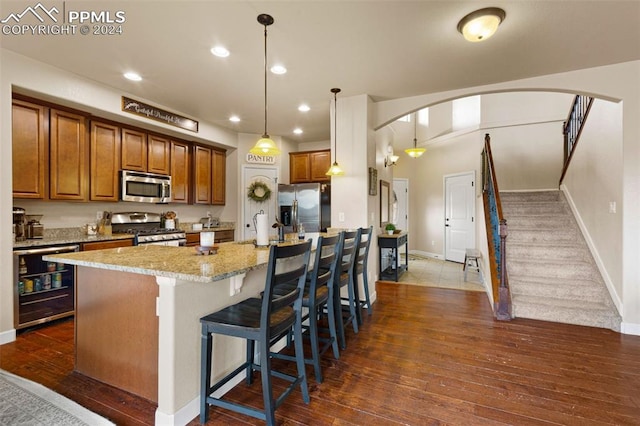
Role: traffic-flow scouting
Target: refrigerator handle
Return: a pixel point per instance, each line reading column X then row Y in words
column 294, row 215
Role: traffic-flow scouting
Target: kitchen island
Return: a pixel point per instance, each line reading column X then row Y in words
column 137, row 317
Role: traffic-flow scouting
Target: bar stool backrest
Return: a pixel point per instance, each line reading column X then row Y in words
column 325, row 263
column 348, row 256
column 362, row 255
column 292, row 277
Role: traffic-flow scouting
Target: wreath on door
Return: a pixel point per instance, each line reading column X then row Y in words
column 258, row 191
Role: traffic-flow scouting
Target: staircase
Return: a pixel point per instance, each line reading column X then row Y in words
column 552, row 274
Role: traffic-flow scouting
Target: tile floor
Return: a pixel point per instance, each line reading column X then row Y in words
column 426, row 271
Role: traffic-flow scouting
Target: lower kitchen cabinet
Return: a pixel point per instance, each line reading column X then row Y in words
column 227, row 235
column 100, row 245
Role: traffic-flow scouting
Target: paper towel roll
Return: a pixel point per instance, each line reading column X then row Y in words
column 262, row 229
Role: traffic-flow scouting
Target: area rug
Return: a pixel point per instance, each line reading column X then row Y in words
column 23, row 402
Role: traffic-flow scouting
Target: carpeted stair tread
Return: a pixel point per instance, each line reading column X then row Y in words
column 552, row 274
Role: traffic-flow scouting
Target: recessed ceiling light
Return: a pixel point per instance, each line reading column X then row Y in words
column 220, row 51
column 278, row 69
column 297, row 131
column 132, row 76
column 303, row 108
column 234, row 118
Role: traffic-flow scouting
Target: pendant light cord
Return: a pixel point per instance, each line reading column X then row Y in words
column 415, row 129
column 335, row 92
column 265, row 135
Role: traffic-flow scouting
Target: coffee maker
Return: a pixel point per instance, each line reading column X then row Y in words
column 35, row 229
column 19, row 224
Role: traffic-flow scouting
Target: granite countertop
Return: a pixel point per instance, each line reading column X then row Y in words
column 182, row 263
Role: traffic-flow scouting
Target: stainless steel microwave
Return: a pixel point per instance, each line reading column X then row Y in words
column 145, row 187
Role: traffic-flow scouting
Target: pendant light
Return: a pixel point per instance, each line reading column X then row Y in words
column 265, row 146
column 415, row 152
column 335, row 169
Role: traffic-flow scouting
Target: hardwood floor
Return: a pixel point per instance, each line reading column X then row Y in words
column 426, row 356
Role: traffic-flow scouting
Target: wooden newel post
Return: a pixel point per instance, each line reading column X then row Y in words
column 503, row 312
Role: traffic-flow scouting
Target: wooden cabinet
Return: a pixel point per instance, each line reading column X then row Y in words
column 193, row 238
column 145, row 152
column 30, row 130
column 69, row 156
column 105, row 162
column 309, row 166
column 100, row 245
column 158, row 154
column 180, row 172
column 209, row 180
column 219, row 160
column 134, row 150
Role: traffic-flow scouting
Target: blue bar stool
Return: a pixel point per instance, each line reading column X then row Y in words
column 360, row 267
column 344, row 277
column 264, row 321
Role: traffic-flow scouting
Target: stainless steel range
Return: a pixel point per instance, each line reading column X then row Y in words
column 147, row 229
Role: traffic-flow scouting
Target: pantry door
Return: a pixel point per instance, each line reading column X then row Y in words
column 250, row 174
column 459, row 220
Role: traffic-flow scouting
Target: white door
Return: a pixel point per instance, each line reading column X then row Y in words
column 268, row 175
column 459, row 231
column 400, row 213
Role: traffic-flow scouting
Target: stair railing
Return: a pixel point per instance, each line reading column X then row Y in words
column 572, row 128
column 496, row 228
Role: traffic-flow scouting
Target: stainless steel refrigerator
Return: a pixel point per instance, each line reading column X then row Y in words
column 308, row 204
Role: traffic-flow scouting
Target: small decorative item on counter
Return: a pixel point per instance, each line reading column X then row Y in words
column 46, row 282
column 37, row 284
column 91, row 229
column 170, row 221
column 57, row 280
column 28, row 285
column 22, row 269
column 51, row 266
column 300, row 232
column 20, row 287
column 207, row 238
column 60, row 267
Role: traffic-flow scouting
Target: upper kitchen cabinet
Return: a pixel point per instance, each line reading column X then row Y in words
column 105, row 162
column 180, row 172
column 309, row 166
column 209, row 169
column 68, row 156
column 158, row 154
column 134, row 150
column 30, row 146
column 145, row 152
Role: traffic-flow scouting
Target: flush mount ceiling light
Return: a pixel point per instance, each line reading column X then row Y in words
column 265, row 146
column 278, row 69
column 481, row 24
column 415, row 152
column 335, row 169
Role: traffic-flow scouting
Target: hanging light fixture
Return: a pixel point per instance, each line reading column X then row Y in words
column 335, row 169
column 265, row 146
column 481, row 24
column 415, row 152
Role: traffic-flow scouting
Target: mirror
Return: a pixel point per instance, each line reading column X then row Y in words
column 384, row 202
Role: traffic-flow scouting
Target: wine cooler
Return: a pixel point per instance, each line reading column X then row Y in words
column 43, row 291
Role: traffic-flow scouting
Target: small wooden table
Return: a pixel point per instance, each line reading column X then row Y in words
column 394, row 242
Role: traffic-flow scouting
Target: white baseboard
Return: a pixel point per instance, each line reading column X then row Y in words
column 8, row 336
column 439, row 256
column 630, row 328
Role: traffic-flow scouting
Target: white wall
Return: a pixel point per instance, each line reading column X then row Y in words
column 593, row 182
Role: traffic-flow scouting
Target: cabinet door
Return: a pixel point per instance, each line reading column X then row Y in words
column 299, row 168
column 202, row 175
column 219, row 166
column 158, row 154
column 134, row 150
column 320, row 162
column 30, row 145
column 69, row 157
column 180, row 172
column 105, row 162
column 101, row 245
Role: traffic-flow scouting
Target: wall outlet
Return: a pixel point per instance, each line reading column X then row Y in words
column 99, row 215
column 433, row 243
column 341, row 217
column 612, row 206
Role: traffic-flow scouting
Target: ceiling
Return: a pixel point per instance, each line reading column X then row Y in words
column 386, row 49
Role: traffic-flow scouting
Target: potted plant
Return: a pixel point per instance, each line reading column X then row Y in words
column 390, row 227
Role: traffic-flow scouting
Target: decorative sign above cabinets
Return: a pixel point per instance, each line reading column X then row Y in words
column 153, row 113
column 260, row 159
